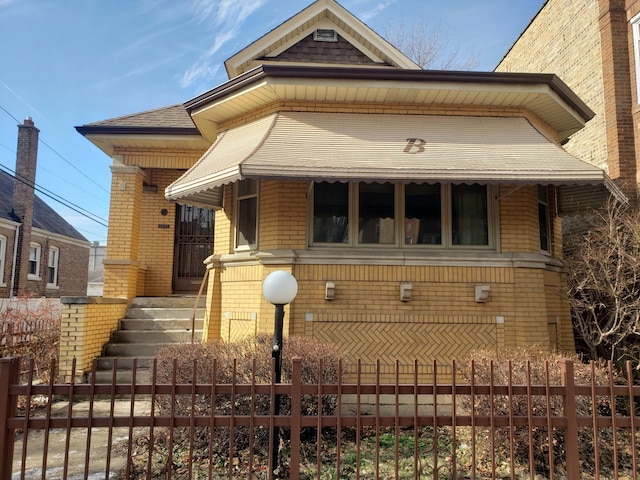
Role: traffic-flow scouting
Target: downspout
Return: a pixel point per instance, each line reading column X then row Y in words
column 15, row 259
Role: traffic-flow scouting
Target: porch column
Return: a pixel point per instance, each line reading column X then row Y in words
column 122, row 272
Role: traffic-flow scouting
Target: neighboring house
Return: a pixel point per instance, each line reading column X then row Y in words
column 594, row 46
column 417, row 209
column 41, row 255
column 97, row 254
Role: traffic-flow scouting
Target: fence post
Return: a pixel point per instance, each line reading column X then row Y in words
column 571, row 414
column 9, row 375
column 296, row 381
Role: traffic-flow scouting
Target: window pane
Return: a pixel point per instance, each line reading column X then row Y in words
column 469, row 215
column 247, row 221
column 331, row 212
column 423, row 214
column 543, row 217
column 376, row 215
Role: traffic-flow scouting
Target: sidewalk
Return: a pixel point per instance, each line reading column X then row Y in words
column 77, row 444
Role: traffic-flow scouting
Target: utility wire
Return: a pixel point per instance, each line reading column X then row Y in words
column 40, row 167
column 59, row 155
column 57, row 198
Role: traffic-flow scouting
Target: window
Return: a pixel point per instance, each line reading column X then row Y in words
column 247, row 214
column 34, row 262
column 543, row 218
column 3, row 262
column 434, row 215
column 52, row 269
column 635, row 27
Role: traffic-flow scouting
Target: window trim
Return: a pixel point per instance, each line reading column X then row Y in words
column 55, row 267
column 237, row 200
column 3, row 259
column 547, row 206
column 38, row 255
column 399, row 212
column 635, row 29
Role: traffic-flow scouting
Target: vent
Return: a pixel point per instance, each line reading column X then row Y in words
column 325, row 35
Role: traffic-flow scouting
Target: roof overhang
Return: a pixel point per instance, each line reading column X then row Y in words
column 108, row 138
column 545, row 95
column 306, row 146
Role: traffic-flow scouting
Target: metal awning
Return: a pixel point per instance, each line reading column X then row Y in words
column 369, row 147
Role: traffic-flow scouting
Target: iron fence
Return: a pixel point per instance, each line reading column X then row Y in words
column 462, row 430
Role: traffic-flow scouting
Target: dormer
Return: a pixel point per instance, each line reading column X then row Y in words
column 324, row 33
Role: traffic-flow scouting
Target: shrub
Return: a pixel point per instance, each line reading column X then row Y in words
column 252, row 357
column 516, row 366
column 31, row 332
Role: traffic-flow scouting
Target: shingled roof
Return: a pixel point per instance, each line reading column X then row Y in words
column 174, row 119
column 44, row 217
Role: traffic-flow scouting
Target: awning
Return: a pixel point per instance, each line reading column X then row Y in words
column 373, row 147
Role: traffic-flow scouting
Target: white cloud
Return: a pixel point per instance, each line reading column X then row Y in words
column 375, row 10
column 225, row 17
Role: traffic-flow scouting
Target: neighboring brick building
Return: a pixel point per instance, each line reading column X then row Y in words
column 593, row 46
column 417, row 209
column 41, row 254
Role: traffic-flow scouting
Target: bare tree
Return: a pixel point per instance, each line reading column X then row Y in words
column 604, row 284
column 428, row 45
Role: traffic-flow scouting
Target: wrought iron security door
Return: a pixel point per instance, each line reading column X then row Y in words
column 194, row 243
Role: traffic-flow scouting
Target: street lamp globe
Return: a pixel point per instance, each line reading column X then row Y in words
column 280, row 287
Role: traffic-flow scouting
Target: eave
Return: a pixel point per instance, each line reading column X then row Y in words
column 545, row 95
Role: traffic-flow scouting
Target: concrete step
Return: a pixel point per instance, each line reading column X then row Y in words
column 159, row 324
column 132, row 349
column 168, row 302
column 162, row 313
column 143, row 376
column 124, row 363
column 153, row 336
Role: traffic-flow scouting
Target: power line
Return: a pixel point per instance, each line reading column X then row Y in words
column 72, row 206
column 59, row 155
column 40, row 167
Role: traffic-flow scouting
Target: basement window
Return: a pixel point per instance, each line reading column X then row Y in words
column 325, row 35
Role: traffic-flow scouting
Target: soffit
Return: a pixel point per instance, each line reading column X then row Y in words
column 543, row 95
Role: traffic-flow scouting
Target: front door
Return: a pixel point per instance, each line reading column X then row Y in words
column 193, row 243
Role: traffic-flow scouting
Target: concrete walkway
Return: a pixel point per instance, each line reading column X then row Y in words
column 77, row 444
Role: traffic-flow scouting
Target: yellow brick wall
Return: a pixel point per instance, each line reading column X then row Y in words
column 157, row 235
column 123, row 238
column 87, row 323
column 367, row 320
column 564, row 39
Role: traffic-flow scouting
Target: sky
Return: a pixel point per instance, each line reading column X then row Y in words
column 66, row 63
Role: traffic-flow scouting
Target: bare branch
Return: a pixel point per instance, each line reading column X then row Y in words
column 428, row 46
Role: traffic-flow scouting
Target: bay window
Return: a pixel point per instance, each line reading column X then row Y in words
column 433, row 215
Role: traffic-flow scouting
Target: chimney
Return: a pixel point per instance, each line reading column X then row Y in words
column 25, row 179
column 23, row 196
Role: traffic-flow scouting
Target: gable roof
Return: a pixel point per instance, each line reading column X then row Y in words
column 44, row 217
column 296, row 31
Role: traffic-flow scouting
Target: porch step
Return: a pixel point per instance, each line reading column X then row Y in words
column 149, row 324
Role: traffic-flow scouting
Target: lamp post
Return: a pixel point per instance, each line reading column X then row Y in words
column 279, row 288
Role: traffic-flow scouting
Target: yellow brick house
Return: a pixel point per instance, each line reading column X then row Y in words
column 418, row 210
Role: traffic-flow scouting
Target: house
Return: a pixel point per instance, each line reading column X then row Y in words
column 594, row 46
column 41, row 255
column 418, row 210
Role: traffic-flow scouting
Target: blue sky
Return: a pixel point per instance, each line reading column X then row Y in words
column 72, row 62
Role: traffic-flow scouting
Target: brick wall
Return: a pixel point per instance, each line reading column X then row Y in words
column 587, row 43
column 367, row 320
column 87, row 323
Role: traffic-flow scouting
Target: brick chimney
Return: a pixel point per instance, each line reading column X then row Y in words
column 23, row 195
